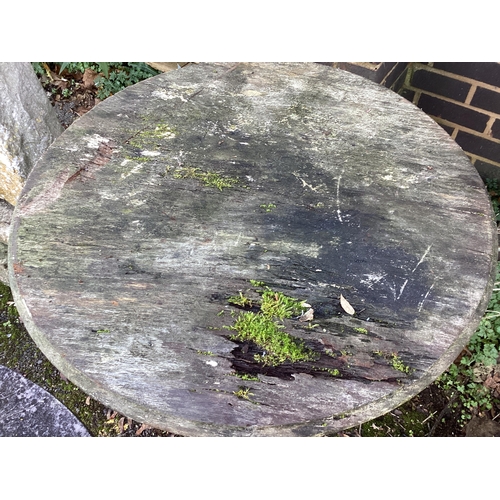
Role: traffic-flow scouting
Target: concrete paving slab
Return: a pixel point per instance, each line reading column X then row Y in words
column 27, row 410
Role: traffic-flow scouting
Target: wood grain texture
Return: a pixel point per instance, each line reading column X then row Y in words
column 124, row 248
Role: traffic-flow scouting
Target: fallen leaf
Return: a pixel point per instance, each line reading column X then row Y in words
column 308, row 315
column 143, row 427
column 88, row 78
column 346, row 306
column 166, row 66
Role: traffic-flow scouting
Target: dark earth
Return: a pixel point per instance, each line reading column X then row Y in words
column 433, row 412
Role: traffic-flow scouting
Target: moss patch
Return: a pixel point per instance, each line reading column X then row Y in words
column 149, row 138
column 264, row 329
column 394, row 360
column 209, row 179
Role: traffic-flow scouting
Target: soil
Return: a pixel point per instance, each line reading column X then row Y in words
column 430, row 413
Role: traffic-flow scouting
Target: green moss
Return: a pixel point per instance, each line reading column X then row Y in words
column 209, row 179
column 257, row 284
column 246, row 376
column 361, row 330
column 150, row 136
column 240, row 300
column 268, row 207
column 139, row 159
column 276, row 304
column 409, row 423
column 394, row 360
column 243, row 393
column 398, row 364
column 279, row 346
column 265, row 331
column 332, row 371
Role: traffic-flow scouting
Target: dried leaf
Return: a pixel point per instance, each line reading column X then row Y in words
column 143, row 427
column 166, row 66
column 346, row 306
column 308, row 315
column 88, row 78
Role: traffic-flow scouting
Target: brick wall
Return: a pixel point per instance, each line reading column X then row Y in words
column 391, row 75
column 464, row 98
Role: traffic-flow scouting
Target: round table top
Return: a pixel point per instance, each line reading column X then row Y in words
column 253, row 249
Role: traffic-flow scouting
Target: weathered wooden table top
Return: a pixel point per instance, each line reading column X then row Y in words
column 178, row 209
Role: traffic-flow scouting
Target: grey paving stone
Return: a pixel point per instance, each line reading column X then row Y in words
column 28, row 410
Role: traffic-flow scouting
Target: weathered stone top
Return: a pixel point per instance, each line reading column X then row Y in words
column 169, row 214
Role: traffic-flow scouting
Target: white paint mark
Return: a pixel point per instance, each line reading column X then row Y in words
column 421, row 303
column 211, row 363
column 150, row 153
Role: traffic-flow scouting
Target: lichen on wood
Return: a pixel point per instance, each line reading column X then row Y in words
column 148, row 252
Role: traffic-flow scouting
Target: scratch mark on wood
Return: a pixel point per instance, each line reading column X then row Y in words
column 421, row 303
column 402, row 289
column 413, row 270
column 338, row 199
column 422, row 258
column 305, row 184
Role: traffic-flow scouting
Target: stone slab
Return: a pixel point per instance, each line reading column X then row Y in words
column 28, row 125
column 152, row 210
column 27, row 410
